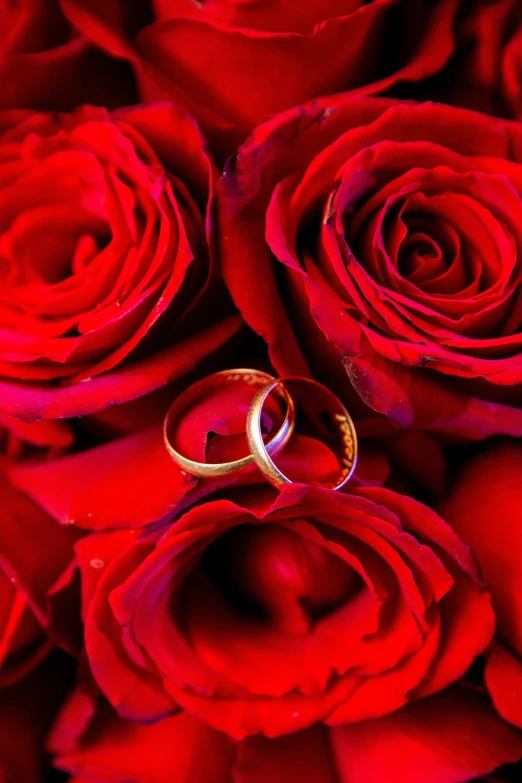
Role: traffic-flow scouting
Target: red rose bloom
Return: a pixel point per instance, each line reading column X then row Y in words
column 236, row 585
column 45, row 64
column 485, row 508
column 103, row 257
column 233, row 64
column 393, row 247
column 321, row 607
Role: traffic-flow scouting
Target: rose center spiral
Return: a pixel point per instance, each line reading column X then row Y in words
column 277, row 576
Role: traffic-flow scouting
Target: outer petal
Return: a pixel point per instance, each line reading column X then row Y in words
column 54, row 435
column 34, row 549
column 304, row 756
column 175, row 750
column 503, row 677
column 247, row 94
column 31, row 402
column 449, row 738
column 129, row 482
column 411, row 398
column 235, row 82
column 485, row 509
column 26, row 713
column 64, row 77
column 136, row 693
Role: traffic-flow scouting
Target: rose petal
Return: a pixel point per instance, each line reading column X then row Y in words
column 449, row 738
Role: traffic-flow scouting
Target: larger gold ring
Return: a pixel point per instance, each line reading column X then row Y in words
column 213, row 470
column 341, row 418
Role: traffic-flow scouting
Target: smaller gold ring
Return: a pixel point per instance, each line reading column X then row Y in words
column 213, row 470
column 259, row 451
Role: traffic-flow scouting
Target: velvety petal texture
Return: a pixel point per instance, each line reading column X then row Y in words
column 485, row 508
column 19, row 438
column 255, row 59
column 176, row 750
column 329, row 190
column 27, row 711
column 451, row 737
column 34, row 553
column 46, row 64
column 317, row 607
column 487, row 74
column 104, row 256
column 391, row 233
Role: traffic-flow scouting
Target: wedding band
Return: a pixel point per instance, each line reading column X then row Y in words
column 213, row 470
column 341, row 418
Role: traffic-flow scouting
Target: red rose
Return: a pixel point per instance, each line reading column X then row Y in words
column 426, row 615
column 320, row 607
column 393, row 247
column 103, row 258
column 489, row 58
column 45, row 64
column 233, row 64
column 127, row 483
column 485, row 508
column 448, row 738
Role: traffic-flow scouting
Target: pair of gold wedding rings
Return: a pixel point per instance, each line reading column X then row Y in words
column 261, row 453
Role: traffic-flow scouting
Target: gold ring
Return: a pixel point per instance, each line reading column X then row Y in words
column 341, row 418
column 213, row 470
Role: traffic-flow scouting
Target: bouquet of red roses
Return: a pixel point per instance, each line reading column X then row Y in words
column 260, row 391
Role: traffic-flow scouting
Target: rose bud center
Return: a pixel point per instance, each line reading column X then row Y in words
column 279, row 576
